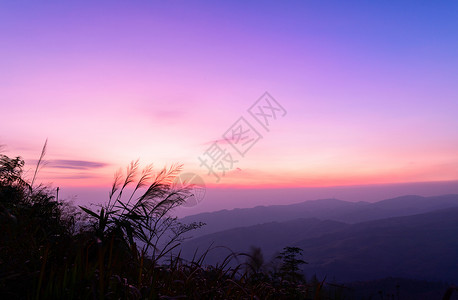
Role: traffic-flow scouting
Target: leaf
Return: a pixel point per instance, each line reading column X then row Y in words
column 90, row 212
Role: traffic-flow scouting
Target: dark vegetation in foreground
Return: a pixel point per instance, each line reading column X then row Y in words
column 50, row 249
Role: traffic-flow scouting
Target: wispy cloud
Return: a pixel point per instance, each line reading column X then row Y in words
column 169, row 114
column 76, row 164
column 72, row 164
column 77, row 176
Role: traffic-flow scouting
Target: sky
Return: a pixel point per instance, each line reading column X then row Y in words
column 359, row 92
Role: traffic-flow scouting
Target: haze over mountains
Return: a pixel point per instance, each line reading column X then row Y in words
column 325, row 209
column 409, row 236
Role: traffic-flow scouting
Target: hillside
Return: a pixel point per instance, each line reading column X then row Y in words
column 422, row 246
column 324, row 209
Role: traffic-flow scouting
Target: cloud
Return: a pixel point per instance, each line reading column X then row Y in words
column 169, row 114
column 74, row 164
column 77, row 176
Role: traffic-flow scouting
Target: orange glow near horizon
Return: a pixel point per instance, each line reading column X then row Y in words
column 264, row 178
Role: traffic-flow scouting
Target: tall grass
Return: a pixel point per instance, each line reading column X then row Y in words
column 123, row 249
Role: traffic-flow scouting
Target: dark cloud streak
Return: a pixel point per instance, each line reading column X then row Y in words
column 74, row 164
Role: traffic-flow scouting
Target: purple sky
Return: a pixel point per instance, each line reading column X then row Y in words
column 369, row 89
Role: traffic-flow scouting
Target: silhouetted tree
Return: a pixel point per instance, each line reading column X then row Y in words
column 291, row 262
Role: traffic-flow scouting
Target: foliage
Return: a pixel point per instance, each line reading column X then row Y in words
column 255, row 261
column 143, row 218
column 123, row 249
column 291, row 262
column 32, row 224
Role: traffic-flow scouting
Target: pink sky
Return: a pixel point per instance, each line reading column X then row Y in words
column 369, row 89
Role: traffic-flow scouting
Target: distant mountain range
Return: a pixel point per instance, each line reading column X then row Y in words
column 324, row 209
column 410, row 236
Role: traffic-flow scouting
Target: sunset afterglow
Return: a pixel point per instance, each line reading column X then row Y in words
column 367, row 102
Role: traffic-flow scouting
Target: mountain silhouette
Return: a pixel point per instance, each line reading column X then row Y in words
column 421, row 244
column 324, row 209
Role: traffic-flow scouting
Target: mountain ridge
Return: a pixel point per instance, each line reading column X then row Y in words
column 331, row 208
column 419, row 246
